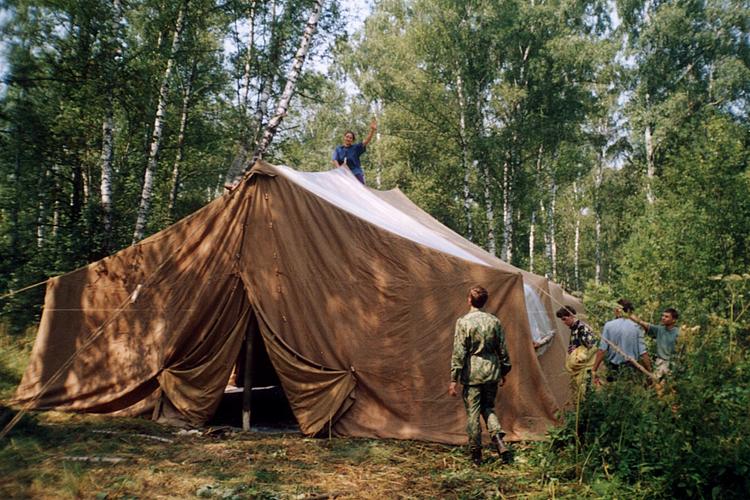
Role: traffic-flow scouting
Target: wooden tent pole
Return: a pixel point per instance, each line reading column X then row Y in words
column 247, row 382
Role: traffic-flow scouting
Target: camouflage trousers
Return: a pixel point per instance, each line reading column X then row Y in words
column 480, row 400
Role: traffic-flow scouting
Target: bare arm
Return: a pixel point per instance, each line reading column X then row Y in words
column 644, row 324
column 373, row 128
column 335, row 164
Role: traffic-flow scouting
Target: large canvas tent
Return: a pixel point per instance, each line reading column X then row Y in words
column 353, row 292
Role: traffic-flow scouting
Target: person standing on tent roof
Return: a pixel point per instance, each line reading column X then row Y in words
column 480, row 360
column 348, row 153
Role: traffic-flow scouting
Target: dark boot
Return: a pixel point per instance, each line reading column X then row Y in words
column 476, row 456
column 505, row 454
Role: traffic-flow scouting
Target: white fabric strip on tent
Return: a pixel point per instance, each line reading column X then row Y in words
column 341, row 188
column 541, row 329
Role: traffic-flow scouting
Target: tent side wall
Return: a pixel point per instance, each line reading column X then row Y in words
column 116, row 330
column 347, row 295
column 358, row 320
column 552, row 360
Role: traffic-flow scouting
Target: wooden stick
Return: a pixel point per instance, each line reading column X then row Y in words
column 109, row 460
column 635, row 363
column 247, row 384
column 147, row 436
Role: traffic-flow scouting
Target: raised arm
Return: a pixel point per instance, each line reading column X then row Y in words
column 373, row 128
column 644, row 324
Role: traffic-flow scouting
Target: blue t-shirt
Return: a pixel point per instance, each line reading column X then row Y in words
column 351, row 154
column 665, row 339
column 625, row 334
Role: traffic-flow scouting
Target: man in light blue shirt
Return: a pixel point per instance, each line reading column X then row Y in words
column 622, row 342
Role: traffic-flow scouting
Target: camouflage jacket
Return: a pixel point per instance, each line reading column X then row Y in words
column 479, row 351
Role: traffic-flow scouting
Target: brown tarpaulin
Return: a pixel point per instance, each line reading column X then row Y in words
column 357, row 320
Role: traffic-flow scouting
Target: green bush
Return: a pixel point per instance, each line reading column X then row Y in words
column 688, row 439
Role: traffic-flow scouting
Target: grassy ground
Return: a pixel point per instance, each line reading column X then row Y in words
column 38, row 461
column 43, row 457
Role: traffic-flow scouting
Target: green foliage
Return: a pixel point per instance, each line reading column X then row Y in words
column 686, row 440
column 600, row 301
column 697, row 228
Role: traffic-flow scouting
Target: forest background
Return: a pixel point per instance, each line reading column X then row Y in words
column 600, row 143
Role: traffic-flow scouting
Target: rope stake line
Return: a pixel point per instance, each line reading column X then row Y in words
column 15, row 292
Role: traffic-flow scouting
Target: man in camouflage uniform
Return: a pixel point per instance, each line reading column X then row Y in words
column 480, row 360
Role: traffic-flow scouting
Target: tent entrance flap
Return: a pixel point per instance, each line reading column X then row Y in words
column 253, row 395
column 318, row 395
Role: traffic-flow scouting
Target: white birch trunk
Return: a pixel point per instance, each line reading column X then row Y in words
column 553, row 229
column 291, row 82
column 379, row 164
column 465, row 162
column 650, row 166
column 543, row 211
column 174, row 190
column 577, row 237
column 264, row 90
column 598, row 179
column 56, row 206
column 106, row 166
column 250, row 142
column 598, row 252
column 489, row 209
column 85, row 182
column 40, row 225
column 153, row 156
column 41, row 212
column 507, row 251
column 532, row 243
column 248, row 61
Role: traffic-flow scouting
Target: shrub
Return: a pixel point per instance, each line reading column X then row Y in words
column 688, row 439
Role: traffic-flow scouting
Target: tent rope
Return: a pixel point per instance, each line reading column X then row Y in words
column 630, row 359
column 15, row 292
column 616, row 348
column 25, row 409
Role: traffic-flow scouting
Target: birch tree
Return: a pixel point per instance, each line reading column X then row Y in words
column 176, row 179
column 291, row 82
column 156, row 137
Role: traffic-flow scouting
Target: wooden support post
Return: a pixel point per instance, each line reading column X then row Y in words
column 247, row 382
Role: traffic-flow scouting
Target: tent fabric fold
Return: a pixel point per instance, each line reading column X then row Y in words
column 356, row 293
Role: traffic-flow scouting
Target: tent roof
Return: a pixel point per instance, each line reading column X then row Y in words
column 340, row 188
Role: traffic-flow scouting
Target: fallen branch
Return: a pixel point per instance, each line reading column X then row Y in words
column 147, row 436
column 109, row 460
